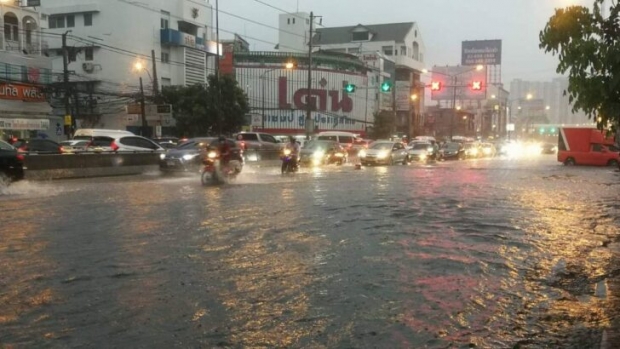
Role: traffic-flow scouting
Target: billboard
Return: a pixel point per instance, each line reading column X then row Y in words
column 485, row 52
column 458, row 82
column 403, row 96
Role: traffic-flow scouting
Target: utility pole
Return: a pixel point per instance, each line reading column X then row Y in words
column 155, row 81
column 453, row 108
column 217, row 67
column 142, row 110
column 309, row 94
column 65, row 65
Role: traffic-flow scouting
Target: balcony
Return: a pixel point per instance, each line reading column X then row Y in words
column 408, row 62
column 171, row 37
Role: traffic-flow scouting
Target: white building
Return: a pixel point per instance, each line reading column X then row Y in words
column 109, row 37
column 294, row 32
column 24, row 73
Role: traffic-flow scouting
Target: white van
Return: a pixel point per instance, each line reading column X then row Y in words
column 346, row 139
column 90, row 133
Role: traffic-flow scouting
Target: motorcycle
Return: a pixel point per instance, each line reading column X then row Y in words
column 289, row 162
column 216, row 173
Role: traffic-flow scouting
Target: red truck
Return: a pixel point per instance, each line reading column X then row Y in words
column 586, row 146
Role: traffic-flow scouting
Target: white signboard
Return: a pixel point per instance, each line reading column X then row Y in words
column 510, row 127
column 403, row 96
column 24, row 124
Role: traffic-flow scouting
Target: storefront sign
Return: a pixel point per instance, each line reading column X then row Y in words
column 24, row 124
column 26, row 93
column 318, row 99
column 403, row 95
column 485, row 52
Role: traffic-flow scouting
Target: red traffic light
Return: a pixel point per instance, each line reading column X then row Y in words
column 436, row 86
column 476, row 85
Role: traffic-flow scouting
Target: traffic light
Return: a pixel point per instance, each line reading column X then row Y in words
column 386, row 86
column 553, row 130
column 436, row 86
column 476, row 85
column 350, row 88
column 542, row 130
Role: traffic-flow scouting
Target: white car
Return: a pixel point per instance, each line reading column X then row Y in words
column 126, row 144
column 384, row 152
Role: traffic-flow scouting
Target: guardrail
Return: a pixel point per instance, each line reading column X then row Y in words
column 82, row 165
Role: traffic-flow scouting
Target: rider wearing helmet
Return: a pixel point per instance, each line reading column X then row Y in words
column 224, row 149
column 293, row 146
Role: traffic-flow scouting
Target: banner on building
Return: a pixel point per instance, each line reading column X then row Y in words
column 403, row 95
column 485, row 52
column 24, row 124
column 21, row 92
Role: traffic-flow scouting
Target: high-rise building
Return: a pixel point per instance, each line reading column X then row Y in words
column 557, row 106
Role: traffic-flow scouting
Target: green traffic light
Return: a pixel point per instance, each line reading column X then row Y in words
column 350, row 88
column 386, row 86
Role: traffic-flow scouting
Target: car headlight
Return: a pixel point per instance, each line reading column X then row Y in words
column 430, row 149
column 382, row 155
column 339, row 155
column 188, row 157
column 212, row 155
column 361, row 154
column 487, row 151
column 422, row 156
column 162, row 156
column 318, row 154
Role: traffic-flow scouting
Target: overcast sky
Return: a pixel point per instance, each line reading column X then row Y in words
column 444, row 24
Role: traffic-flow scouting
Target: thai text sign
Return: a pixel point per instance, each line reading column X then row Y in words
column 485, row 52
column 26, row 93
column 24, row 124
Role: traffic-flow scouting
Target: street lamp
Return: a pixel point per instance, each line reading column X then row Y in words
column 529, row 96
column 140, row 67
column 414, row 97
column 287, row 66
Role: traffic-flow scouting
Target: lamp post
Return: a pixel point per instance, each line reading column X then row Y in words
column 139, row 67
column 287, row 66
column 454, row 78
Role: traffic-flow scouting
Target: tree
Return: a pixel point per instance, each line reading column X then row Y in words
column 199, row 110
column 384, row 124
column 588, row 47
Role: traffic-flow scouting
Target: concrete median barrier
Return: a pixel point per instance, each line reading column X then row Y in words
column 43, row 167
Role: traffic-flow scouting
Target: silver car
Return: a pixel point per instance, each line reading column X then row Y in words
column 384, row 152
column 420, row 151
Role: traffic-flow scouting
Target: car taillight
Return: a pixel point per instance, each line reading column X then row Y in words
column 22, row 148
column 114, row 146
column 62, row 150
column 20, row 157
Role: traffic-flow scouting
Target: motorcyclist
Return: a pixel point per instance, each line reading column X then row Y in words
column 224, row 149
column 293, row 146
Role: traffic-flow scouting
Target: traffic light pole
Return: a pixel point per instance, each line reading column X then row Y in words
column 309, row 94
column 453, row 107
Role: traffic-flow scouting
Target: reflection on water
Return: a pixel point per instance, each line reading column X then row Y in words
column 486, row 254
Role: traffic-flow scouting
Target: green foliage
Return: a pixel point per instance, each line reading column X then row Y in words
column 199, row 112
column 588, row 48
column 385, row 122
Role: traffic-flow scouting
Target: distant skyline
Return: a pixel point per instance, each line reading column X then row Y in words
column 444, row 24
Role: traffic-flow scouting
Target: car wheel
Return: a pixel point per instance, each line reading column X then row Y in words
column 570, row 162
column 612, row 163
column 5, row 180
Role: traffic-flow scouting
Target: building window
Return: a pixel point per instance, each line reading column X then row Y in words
column 166, row 82
column 57, row 22
column 70, row 21
column 88, row 19
column 165, row 57
column 354, row 50
column 288, row 21
column 387, row 50
column 28, row 37
column 293, row 20
column 11, row 28
column 164, row 23
column 89, row 54
column 360, row 36
column 403, row 50
column 415, row 34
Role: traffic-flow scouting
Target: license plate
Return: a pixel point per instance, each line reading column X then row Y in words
column 171, row 163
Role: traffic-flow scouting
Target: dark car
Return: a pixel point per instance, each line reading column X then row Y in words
column 38, row 146
column 549, row 148
column 322, row 153
column 11, row 163
column 188, row 156
column 452, row 151
column 167, row 142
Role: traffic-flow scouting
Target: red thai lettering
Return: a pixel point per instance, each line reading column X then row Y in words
column 300, row 99
column 345, row 104
column 282, row 93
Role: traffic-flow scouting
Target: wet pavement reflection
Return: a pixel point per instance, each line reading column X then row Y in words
column 488, row 254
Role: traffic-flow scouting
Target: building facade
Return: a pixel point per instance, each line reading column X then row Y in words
column 279, row 96
column 25, row 73
column 107, row 39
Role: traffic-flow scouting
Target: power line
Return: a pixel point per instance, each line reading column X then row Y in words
column 281, row 10
column 261, row 24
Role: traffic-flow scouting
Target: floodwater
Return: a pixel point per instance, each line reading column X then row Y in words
column 486, row 254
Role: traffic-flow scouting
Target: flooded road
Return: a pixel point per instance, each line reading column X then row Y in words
column 486, row 254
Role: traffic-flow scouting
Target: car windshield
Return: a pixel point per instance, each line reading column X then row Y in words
column 451, row 146
column 5, row 146
column 382, row 146
column 195, row 144
column 419, row 146
column 318, row 145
